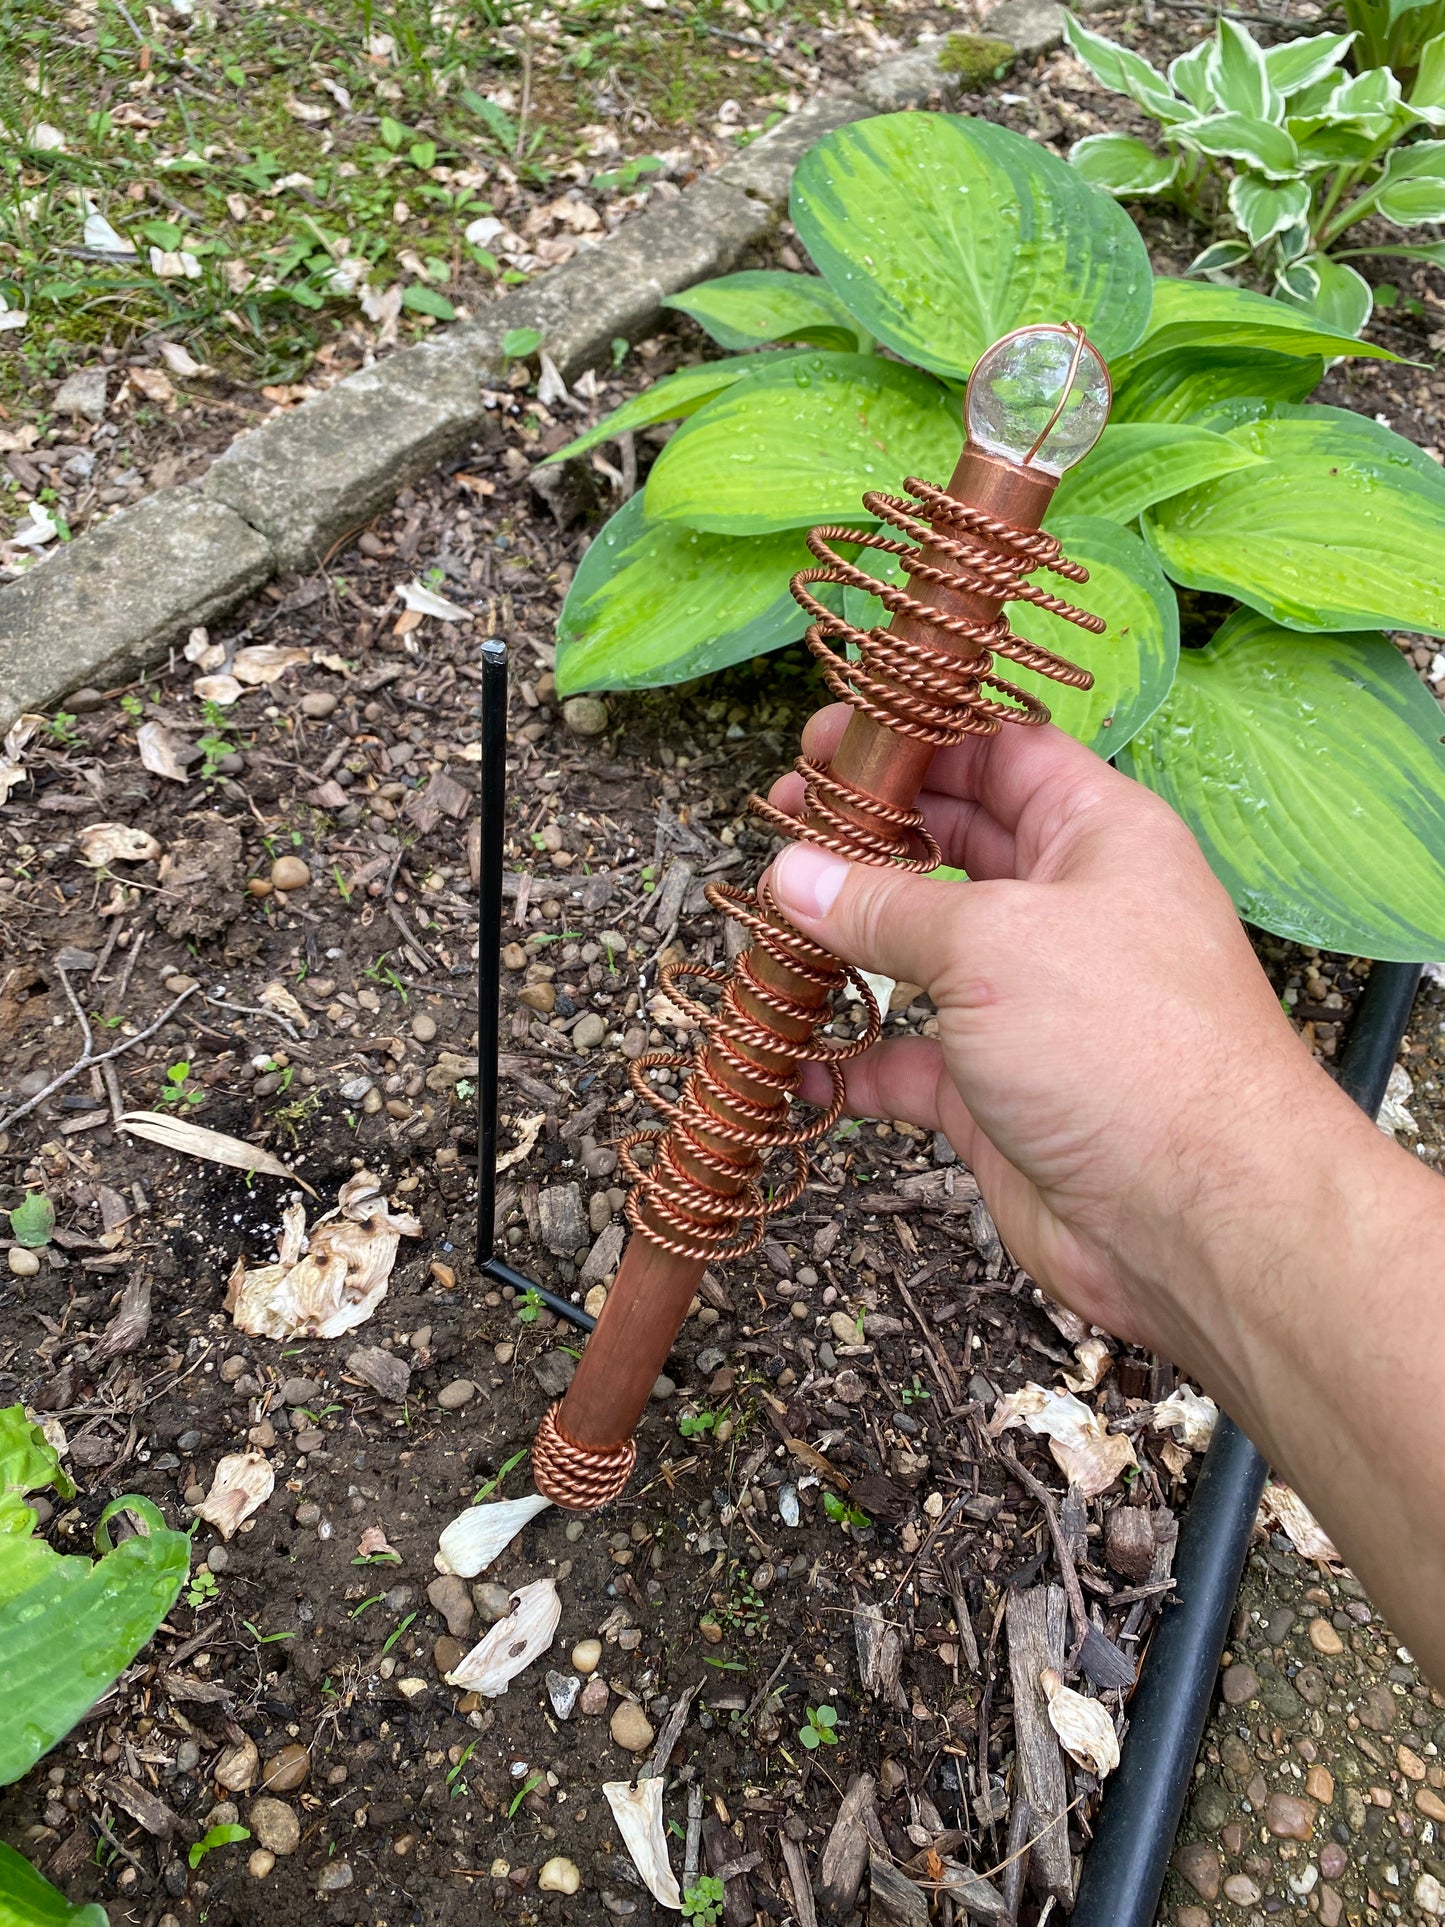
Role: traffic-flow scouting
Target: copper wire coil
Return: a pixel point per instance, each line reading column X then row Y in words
column 700, row 1194
column 578, row 1477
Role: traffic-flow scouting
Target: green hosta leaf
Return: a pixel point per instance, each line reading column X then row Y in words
column 759, row 306
column 1239, row 77
column 1341, row 529
column 1239, row 137
column 1135, row 464
column 1298, row 282
column 801, row 443
column 1189, row 76
column 1122, row 165
column 1190, row 385
column 1193, row 314
column 672, row 399
column 27, row 1898
column 1265, row 208
column 654, row 602
column 28, row 1461
column 420, row 299
column 1341, row 297
column 941, row 233
column 1311, row 770
column 1295, row 64
column 1124, row 72
column 1133, row 663
column 33, row 1220
column 1412, row 190
column 1431, row 251
column 67, row 1636
column 1427, row 96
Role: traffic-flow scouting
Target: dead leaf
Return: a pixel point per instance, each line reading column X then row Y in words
column 340, row 1280
column 426, row 602
column 196, row 1141
column 1084, row 1727
column 1191, row 1418
column 1084, row 1449
column 153, row 383
column 180, row 361
column 12, row 767
column 638, row 1813
column 513, row 1643
column 373, row 1542
column 1094, row 1358
column 529, row 1129
column 220, row 690
column 158, row 752
column 243, row 1483
column 265, row 662
column 278, row 998
column 102, row 844
column 1284, row 1510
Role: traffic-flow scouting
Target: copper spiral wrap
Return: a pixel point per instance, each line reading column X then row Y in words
column 701, row 1194
column 580, row 1477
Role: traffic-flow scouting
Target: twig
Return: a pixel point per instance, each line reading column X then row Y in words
column 692, row 1852
column 1072, row 1588
column 130, row 963
column 671, row 1733
column 84, row 1062
column 767, row 1686
column 415, row 943
column 255, row 1010
column 1016, row 1865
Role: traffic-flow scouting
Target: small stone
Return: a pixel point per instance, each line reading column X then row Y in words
column 423, row 1027
column 594, row 1697
column 505, row 1352
column 1192, row 1917
column 289, row 873
column 317, row 703
column 1332, row 1907
column 631, row 1729
column 1281, row 1623
column 286, row 1770
column 237, row 1767
column 452, row 1600
column 1320, row 1784
column 1333, row 1860
column 335, row 1877
column 663, row 1388
column 309, row 1441
column 564, row 1690
column 308, row 1514
column 1430, row 1804
column 382, row 1370
column 587, row 1656
column 585, row 716
column 594, row 1301
column 539, row 997
column 514, row 957
column 559, row 1876
column 599, row 1211
column 1288, row 1817
column 297, row 1391
column 493, row 1602
column 233, row 1368
column 1429, row 1895
column 260, row 1863
column 275, row 1824
column 413, row 1688
column 447, row 1655
column 1239, row 1684
column 453, row 1397
column 1198, row 1863
column 1241, row 1890
column 1409, row 1763
column 1324, row 1638
column 24, row 1263
column 590, row 1032
column 82, row 393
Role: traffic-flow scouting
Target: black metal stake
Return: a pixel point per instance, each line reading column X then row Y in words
column 489, row 983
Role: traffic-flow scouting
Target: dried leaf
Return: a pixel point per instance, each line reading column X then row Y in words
column 17, row 741
column 158, row 752
column 1094, row 1358
column 1191, row 1418
column 244, row 1481
column 341, row 1278
column 474, row 1538
column 1283, row 1510
column 1084, row 1727
column 1084, row 1449
column 529, row 1129
column 265, row 662
column 195, row 1141
column 100, row 235
column 102, row 844
column 374, row 1542
column 220, row 690
column 426, row 602
column 1394, row 1113
column 278, row 998
column 179, row 360
column 513, row 1643
column 638, row 1813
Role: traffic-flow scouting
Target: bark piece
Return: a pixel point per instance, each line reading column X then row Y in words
column 796, row 1862
column 893, row 1900
column 845, row 1855
column 1035, row 1621
column 723, row 1849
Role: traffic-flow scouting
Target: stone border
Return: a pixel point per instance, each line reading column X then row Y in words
column 111, row 603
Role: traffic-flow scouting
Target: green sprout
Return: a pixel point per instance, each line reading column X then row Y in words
column 213, row 1837
column 533, row 1780
column 203, row 1590
column 175, row 1091
column 703, row 1903
column 819, row 1728
column 694, row 1424
column 528, row 1305
column 843, row 1514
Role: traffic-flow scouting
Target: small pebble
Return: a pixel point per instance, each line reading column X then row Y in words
column 663, row 1388
column 453, row 1397
column 24, row 1263
column 308, row 1514
column 563, row 1689
column 1288, row 1817
column 587, row 1656
column 505, row 1352
column 1198, row 1863
column 1333, row 1860
column 447, row 1654
column 493, row 1602
column 275, row 1824
column 514, row 957
column 1324, row 1638
column 559, row 1876
column 450, row 1597
column 631, row 1729
column 297, row 1391
column 585, row 715
column 335, row 1876
column 233, row 1368
column 423, row 1027
column 289, row 873
column 1429, row 1895
column 1241, row 1890
column 1320, row 1784
column 594, row 1697
column 589, row 1032
column 287, row 1770
column 539, row 997
column 260, row 1863
column 317, row 703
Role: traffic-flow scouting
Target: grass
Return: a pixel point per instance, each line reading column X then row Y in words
column 273, row 167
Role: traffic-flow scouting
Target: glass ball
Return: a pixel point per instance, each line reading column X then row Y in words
column 1038, row 396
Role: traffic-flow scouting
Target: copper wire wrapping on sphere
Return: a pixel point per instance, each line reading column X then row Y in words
column 579, row 1477
column 701, row 1194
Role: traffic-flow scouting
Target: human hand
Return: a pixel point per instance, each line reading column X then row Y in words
column 1112, row 1063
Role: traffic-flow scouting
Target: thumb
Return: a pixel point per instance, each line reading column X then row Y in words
column 889, row 921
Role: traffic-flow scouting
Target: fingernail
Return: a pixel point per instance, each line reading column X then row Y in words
column 807, row 880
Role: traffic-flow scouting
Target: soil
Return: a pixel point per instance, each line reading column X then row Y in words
column 420, row 1804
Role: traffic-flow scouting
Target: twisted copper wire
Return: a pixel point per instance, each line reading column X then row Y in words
column 579, row 1477
column 701, row 1196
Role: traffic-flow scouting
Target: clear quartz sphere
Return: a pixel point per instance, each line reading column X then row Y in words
column 1021, row 384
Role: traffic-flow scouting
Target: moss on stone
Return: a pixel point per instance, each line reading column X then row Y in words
column 975, row 59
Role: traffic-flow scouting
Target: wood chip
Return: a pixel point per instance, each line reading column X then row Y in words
column 845, row 1853
column 1035, row 1622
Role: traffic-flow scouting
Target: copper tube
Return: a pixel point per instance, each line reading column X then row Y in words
column 782, row 985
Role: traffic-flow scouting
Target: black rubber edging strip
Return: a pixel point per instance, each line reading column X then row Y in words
column 1125, row 1867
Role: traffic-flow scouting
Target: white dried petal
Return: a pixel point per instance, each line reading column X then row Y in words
column 221, row 690
column 1094, row 1358
column 1191, row 1418
column 638, row 1813
column 244, row 1481
column 473, row 1540
column 340, row 1280
column 1084, row 1449
column 529, row 1129
column 1283, row 1510
column 1084, row 1727
column 416, row 595
column 102, row 844
column 158, row 752
column 513, row 1643
column 264, row 662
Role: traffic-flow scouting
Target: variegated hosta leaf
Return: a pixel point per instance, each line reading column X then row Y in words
column 1219, row 257
column 1341, row 297
column 671, row 399
column 1135, row 464
column 1260, row 144
column 1189, row 77
column 1296, row 64
column 1124, row 72
column 1411, row 192
column 1265, row 208
column 1427, row 96
column 941, row 233
column 1122, row 165
column 1239, row 76
column 1339, row 529
column 1311, row 770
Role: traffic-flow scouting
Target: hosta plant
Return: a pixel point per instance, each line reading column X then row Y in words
column 1286, row 148
column 1393, row 33
column 1298, row 744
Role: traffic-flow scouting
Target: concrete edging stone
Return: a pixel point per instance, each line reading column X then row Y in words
column 110, row 603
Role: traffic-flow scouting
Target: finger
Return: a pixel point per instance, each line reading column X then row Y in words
column 968, row 838
column 881, row 919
